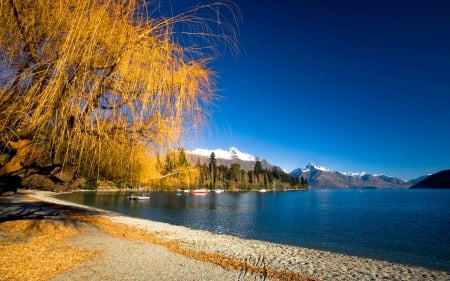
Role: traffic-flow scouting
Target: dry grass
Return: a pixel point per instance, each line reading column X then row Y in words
column 37, row 250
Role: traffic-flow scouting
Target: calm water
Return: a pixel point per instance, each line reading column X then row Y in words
column 406, row 226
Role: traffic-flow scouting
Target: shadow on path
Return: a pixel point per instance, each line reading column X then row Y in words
column 19, row 207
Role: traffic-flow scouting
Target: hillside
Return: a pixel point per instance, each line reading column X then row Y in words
column 438, row 180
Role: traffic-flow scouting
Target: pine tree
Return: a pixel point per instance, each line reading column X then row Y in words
column 235, row 172
column 182, row 160
column 213, row 169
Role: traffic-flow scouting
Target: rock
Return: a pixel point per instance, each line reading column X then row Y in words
column 48, row 169
column 30, row 172
column 23, row 150
column 40, row 182
column 77, row 183
column 63, row 174
column 104, row 185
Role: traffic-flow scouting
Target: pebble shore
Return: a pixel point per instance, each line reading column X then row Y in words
column 320, row 265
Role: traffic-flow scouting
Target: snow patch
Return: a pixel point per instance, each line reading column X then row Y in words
column 317, row 167
column 351, row 174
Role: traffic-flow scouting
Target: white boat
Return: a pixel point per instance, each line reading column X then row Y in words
column 262, row 190
column 138, row 197
column 219, row 191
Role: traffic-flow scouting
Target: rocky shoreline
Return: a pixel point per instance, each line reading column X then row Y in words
column 263, row 260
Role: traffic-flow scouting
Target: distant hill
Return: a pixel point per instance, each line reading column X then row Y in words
column 439, row 180
column 417, row 180
column 322, row 177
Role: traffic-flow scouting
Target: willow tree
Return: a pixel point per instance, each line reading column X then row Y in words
column 95, row 84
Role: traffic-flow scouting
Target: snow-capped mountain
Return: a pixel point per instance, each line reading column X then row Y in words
column 322, row 177
column 226, row 157
column 227, row 154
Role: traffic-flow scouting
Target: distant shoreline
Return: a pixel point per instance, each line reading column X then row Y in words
column 280, row 258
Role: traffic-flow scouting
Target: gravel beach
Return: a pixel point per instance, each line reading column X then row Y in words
column 180, row 253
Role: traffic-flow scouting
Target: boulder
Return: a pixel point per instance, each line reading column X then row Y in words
column 41, row 182
column 22, row 151
column 63, row 174
column 104, row 185
column 77, row 183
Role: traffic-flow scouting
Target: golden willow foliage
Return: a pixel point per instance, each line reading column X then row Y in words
column 95, row 84
column 177, row 172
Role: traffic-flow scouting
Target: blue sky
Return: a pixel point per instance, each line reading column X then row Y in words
column 351, row 85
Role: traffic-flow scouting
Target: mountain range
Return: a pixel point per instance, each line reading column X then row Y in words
column 316, row 175
column 322, row 177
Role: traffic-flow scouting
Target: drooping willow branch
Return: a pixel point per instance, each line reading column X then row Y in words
column 96, row 82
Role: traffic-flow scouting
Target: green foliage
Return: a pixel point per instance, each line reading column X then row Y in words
column 235, row 178
column 235, row 172
column 213, row 169
column 258, row 168
column 88, row 186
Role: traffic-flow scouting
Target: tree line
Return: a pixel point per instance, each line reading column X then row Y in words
column 179, row 173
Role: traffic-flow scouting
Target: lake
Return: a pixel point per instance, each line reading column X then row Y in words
column 404, row 226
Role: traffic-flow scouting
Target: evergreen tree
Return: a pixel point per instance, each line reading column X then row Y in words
column 258, row 168
column 235, row 172
column 251, row 178
column 169, row 162
column 182, row 160
column 213, row 169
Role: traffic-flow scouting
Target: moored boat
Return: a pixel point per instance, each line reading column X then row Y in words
column 200, row 191
column 138, row 197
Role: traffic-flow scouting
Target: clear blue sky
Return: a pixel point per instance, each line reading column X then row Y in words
column 351, row 85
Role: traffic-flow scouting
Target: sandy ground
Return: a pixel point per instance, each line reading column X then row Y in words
column 116, row 247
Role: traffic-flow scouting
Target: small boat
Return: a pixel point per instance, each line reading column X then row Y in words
column 262, row 190
column 219, row 191
column 200, row 191
column 138, row 197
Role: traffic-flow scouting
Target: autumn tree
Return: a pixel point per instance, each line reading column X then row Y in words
column 99, row 85
column 177, row 171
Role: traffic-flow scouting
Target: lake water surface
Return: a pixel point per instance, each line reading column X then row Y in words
column 406, row 226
